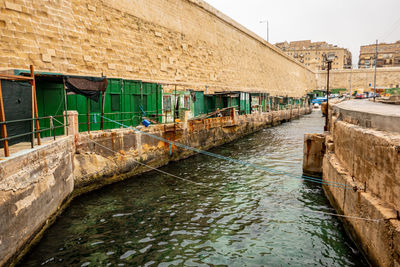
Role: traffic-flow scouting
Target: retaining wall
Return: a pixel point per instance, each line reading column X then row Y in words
column 369, row 160
column 359, row 79
column 32, row 187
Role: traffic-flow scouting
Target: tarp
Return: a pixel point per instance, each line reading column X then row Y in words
column 86, row 86
column 17, row 99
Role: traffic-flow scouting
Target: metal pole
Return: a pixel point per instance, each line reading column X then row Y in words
column 87, row 114
column 3, row 126
column 327, row 99
column 65, row 109
column 266, row 22
column 33, row 117
column 157, row 118
column 351, row 74
column 376, row 59
column 35, row 108
column 103, row 94
column 175, row 104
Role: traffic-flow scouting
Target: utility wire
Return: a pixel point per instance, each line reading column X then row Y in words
column 219, row 190
column 267, row 169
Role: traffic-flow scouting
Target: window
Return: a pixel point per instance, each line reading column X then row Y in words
column 186, row 102
column 115, row 102
column 167, row 103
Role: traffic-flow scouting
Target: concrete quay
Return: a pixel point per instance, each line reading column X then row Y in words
column 36, row 185
column 368, row 114
column 363, row 153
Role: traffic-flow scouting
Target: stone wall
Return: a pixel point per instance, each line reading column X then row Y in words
column 171, row 41
column 359, row 78
column 367, row 159
column 32, row 187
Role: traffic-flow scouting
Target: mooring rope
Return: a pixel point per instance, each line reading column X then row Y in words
column 219, row 190
column 241, row 162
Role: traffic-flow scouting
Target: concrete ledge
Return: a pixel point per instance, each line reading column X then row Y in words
column 379, row 240
column 367, row 114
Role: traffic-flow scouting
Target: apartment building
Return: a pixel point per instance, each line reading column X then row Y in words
column 388, row 55
column 312, row 54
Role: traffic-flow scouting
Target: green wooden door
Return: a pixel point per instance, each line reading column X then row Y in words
column 199, row 107
column 50, row 102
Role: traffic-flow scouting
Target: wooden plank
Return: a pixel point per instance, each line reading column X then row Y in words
column 14, row 77
column 3, row 126
column 35, row 105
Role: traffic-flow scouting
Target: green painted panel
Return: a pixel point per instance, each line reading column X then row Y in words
column 111, row 101
column 244, row 107
column 233, row 101
column 50, row 101
column 210, row 103
column 121, row 103
column 199, row 106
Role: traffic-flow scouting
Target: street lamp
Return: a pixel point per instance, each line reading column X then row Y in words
column 328, row 59
column 266, row 21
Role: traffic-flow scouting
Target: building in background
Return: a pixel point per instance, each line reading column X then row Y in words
column 312, row 54
column 388, row 55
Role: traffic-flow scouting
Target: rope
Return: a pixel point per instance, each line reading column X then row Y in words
column 245, row 163
column 217, row 189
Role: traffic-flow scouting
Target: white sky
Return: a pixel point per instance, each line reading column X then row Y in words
column 347, row 23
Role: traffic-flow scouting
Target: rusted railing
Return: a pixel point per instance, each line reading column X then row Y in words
column 52, row 122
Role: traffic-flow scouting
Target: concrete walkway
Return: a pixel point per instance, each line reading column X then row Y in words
column 368, row 106
column 20, row 148
column 368, row 114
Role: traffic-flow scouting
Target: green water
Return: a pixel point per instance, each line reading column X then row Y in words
column 240, row 217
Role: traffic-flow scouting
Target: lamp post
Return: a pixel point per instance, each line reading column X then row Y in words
column 376, row 60
column 328, row 59
column 266, row 21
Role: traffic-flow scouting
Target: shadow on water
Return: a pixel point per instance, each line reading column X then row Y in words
column 241, row 216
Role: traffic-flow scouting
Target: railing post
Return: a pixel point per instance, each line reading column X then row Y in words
column 72, row 128
column 52, row 127
column 3, row 125
column 35, row 108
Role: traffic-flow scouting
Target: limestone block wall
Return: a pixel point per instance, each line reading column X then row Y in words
column 368, row 159
column 32, row 187
column 359, row 78
column 372, row 158
column 172, row 41
column 378, row 239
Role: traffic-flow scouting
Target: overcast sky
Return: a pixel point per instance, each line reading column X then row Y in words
column 347, row 23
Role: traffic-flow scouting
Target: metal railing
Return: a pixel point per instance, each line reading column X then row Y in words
column 133, row 117
column 52, row 122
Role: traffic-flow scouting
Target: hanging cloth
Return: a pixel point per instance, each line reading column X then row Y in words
column 87, row 86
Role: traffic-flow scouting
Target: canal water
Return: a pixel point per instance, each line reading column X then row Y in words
column 238, row 216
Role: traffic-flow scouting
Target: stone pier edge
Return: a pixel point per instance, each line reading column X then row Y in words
column 348, row 160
